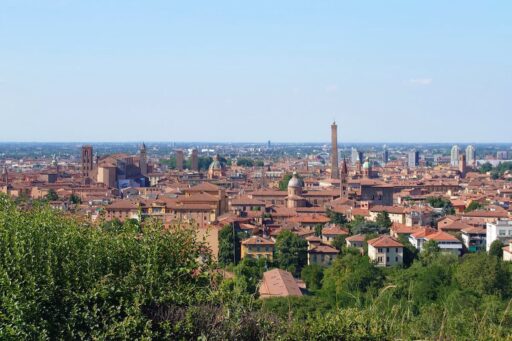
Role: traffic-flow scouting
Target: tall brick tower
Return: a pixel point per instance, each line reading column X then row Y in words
column 344, row 180
column 179, row 159
column 195, row 160
column 335, row 173
column 87, row 160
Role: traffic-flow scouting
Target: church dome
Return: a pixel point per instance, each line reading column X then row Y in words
column 366, row 164
column 216, row 164
column 294, row 181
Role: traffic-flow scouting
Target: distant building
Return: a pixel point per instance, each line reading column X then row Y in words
column 386, row 251
column 462, row 165
column 194, row 162
column 87, row 161
column 344, row 180
column 335, row 174
column 216, row 169
column 295, row 198
column 413, row 158
column 143, row 161
column 471, row 156
column 474, row 238
column 385, row 156
column 502, row 155
column 356, row 156
column 454, row 156
column 501, row 229
column 258, row 247
column 179, row 159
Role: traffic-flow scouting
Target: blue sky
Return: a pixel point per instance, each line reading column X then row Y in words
column 387, row 71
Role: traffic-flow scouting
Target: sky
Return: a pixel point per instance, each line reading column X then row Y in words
column 250, row 71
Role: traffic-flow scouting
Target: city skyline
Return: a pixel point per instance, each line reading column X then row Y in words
column 227, row 72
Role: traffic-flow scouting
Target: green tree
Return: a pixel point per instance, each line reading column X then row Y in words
column 339, row 242
column 496, row 249
column 410, row 252
column 52, row 195
column 430, row 251
column 483, row 274
column 474, row 205
column 283, row 183
column 291, row 251
column 245, row 162
column 486, row 167
column 312, row 275
column 337, row 218
column 249, row 273
column 229, row 245
column 318, row 230
column 65, row 280
column 75, row 199
column 384, row 220
column 350, row 278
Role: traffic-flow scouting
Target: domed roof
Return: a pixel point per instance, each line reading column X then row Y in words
column 216, row 164
column 294, row 181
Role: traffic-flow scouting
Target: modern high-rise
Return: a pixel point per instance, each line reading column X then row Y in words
column 179, row 159
column 471, row 156
column 353, row 156
column 356, row 157
column 194, row 160
column 454, row 156
column 86, row 160
column 413, row 159
column 335, row 173
column 385, row 156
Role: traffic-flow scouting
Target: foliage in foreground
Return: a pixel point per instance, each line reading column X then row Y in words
column 61, row 279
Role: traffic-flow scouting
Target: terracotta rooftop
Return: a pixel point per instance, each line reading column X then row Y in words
column 356, row 238
column 385, row 241
column 442, row 236
column 323, row 248
column 255, row 240
column 277, row 283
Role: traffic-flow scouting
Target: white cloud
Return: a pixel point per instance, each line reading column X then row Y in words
column 420, row 81
column 331, row 88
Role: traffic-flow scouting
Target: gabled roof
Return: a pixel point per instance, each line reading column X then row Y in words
column 334, row 230
column 356, row 238
column 203, row 187
column 455, row 226
column 442, row 236
column 255, row 240
column 423, row 232
column 277, row 283
column 323, row 248
column 385, row 241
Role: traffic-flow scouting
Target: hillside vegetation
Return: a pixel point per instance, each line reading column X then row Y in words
column 62, row 278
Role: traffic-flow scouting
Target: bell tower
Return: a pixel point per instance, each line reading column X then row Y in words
column 87, row 161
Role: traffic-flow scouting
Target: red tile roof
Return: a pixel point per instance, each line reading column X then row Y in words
column 385, row 241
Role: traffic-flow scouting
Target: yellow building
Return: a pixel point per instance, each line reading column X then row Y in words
column 258, row 247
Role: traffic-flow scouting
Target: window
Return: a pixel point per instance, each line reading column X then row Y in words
column 379, row 259
column 387, row 259
column 502, row 232
column 396, row 259
column 396, row 250
column 380, row 250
